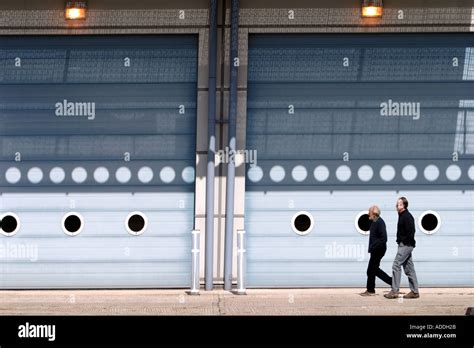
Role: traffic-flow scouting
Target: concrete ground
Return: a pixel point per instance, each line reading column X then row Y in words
column 436, row 301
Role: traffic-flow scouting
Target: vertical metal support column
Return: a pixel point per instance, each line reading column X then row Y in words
column 229, row 219
column 211, row 129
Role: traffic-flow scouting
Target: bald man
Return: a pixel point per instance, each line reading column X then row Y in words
column 377, row 249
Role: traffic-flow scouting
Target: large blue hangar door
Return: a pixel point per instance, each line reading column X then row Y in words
column 97, row 161
column 341, row 122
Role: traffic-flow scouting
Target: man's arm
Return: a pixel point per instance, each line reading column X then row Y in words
column 407, row 228
column 411, row 226
column 380, row 234
column 383, row 232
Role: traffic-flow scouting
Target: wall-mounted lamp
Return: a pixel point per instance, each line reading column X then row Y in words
column 76, row 9
column 372, row 8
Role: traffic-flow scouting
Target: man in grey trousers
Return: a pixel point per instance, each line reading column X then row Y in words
column 406, row 244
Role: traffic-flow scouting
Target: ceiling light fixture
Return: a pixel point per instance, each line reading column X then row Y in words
column 76, row 9
column 372, row 8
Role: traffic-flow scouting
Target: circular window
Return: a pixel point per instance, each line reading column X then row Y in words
column 123, row 175
column 79, row 175
column 299, row 173
column 321, row 173
column 188, row 174
column 72, row 224
column 409, row 173
column 255, row 174
column 343, row 173
column 101, row 175
column 35, row 175
column 13, row 175
column 9, row 224
column 277, row 173
column 365, row 173
column 57, row 175
column 431, row 172
column 362, row 223
column 167, row 175
column 136, row 223
column 145, row 175
column 453, row 172
column 429, row 222
column 387, row 173
column 302, row 223
column 471, row 172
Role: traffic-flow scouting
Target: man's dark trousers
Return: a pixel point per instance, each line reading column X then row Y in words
column 373, row 270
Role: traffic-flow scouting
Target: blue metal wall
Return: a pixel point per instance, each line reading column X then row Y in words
column 336, row 84
column 145, row 110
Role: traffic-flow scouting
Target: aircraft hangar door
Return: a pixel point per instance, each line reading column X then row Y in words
column 97, row 139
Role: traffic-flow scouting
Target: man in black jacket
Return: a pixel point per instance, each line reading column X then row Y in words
column 406, row 244
column 377, row 249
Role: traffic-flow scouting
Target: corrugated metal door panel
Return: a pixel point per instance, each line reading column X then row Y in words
column 316, row 118
column 135, row 152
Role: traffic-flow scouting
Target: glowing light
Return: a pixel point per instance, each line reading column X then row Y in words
column 372, row 8
column 372, row 11
column 76, row 10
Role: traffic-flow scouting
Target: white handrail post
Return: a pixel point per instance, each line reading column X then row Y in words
column 240, row 262
column 195, row 262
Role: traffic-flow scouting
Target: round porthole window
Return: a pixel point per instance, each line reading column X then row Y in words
column 136, row 223
column 302, row 223
column 72, row 224
column 362, row 223
column 429, row 222
column 9, row 224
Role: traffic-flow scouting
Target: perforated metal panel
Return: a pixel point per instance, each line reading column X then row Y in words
column 322, row 117
column 102, row 126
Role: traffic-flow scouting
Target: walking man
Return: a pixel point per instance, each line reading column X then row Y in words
column 406, row 244
column 377, row 249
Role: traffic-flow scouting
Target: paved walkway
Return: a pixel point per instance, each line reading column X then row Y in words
column 436, row 301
